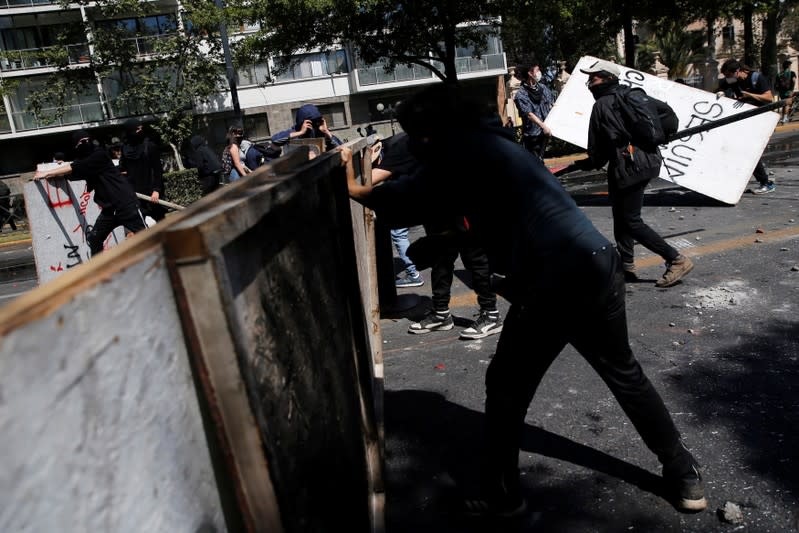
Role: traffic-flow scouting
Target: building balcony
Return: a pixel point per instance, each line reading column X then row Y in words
column 147, row 45
column 32, row 58
column 73, row 114
column 371, row 77
column 7, row 4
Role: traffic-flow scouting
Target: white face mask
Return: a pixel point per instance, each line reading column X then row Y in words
column 731, row 80
column 537, row 76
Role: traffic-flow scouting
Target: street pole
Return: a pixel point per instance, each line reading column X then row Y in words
column 230, row 73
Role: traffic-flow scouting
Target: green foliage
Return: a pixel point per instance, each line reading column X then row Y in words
column 396, row 32
column 161, row 76
column 182, row 187
column 566, row 30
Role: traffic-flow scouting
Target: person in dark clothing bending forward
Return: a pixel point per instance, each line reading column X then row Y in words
column 141, row 164
column 115, row 196
column 630, row 169
column 560, row 274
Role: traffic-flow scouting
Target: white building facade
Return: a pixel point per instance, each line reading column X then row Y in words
column 349, row 94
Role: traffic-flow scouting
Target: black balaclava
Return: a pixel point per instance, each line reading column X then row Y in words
column 131, row 135
column 606, row 87
column 85, row 148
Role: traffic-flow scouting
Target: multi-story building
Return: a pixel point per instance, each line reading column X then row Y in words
column 349, row 93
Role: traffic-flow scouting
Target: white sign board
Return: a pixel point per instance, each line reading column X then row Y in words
column 717, row 163
column 60, row 214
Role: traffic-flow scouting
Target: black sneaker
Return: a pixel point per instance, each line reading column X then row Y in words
column 684, row 483
column 433, row 321
column 488, row 323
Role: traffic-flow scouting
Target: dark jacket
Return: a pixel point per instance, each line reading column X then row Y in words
column 609, row 143
column 755, row 83
column 529, row 227
column 306, row 112
column 209, row 169
column 111, row 190
column 142, row 162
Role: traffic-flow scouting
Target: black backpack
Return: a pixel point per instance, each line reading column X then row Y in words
column 649, row 121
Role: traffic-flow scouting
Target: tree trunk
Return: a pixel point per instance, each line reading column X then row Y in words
column 749, row 40
column 629, row 38
column 711, row 35
column 450, row 72
column 178, row 158
column 768, row 54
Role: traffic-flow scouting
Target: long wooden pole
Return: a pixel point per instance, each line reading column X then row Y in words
column 160, row 202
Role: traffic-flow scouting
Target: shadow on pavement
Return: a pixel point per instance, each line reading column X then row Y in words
column 665, row 197
column 752, row 388
column 433, row 455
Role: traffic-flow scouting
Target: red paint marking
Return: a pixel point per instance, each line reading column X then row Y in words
column 555, row 169
column 59, row 268
column 58, row 201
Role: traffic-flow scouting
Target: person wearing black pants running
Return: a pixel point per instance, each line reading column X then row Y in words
column 115, row 195
column 561, row 275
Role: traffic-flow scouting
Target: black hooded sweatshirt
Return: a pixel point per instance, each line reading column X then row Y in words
column 111, row 190
column 141, row 160
column 530, row 228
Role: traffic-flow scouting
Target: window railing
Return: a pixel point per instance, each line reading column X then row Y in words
column 147, row 45
column 375, row 74
column 73, row 114
column 464, row 65
column 5, row 4
column 38, row 57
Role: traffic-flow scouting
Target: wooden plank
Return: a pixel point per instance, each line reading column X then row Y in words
column 306, row 366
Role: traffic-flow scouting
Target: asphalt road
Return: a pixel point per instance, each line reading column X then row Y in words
column 722, row 348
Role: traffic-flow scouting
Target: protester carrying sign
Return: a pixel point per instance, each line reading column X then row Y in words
column 747, row 85
column 631, row 165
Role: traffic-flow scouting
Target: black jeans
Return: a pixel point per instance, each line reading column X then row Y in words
column 107, row 220
column 760, row 173
column 475, row 261
column 536, row 144
column 628, row 226
column 592, row 318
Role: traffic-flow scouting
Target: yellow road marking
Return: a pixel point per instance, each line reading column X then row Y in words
column 469, row 299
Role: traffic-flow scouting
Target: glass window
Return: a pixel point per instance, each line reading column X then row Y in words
column 20, row 38
column 313, row 65
column 256, row 127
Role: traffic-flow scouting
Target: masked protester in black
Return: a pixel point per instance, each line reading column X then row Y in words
column 561, row 275
column 114, row 195
column 630, row 169
column 141, row 164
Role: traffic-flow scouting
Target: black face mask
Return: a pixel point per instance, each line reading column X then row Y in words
column 83, row 149
column 601, row 89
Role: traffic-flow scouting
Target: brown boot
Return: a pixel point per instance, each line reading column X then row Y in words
column 675, row 271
